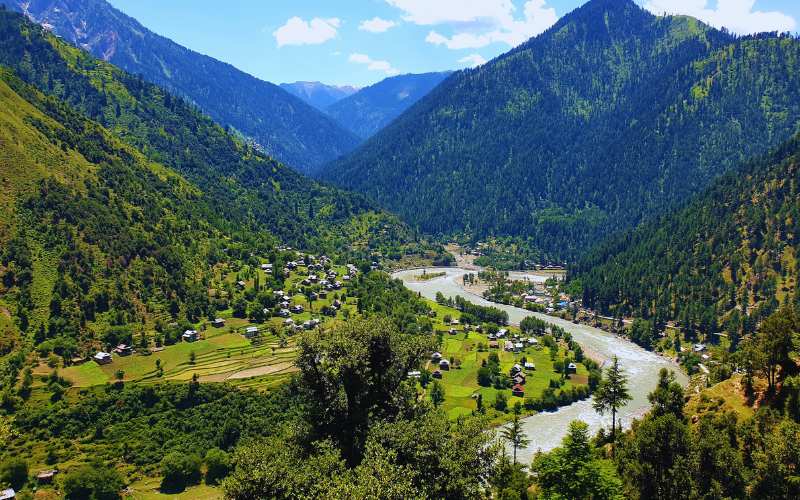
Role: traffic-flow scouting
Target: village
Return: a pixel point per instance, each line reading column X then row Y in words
column 248, row 346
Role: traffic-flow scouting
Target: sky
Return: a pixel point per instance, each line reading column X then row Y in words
column 360, row 42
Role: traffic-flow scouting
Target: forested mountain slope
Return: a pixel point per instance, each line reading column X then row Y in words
column 319, row 94
column 117, row 198
column 372, row 108
column 729, row 255
column 282, row 124
column 605, row 119
column 247, row 187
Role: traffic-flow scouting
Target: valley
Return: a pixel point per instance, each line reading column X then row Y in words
column 511, row 250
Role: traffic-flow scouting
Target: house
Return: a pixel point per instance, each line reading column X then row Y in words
column 452, row 331
column 436, row 356
column 297, row 309
column 251, row 331
column 414, row 374
column 529, row 366
column 241, row 284
column 492, row 337
column 519, row 379
column 509, row 346
column 190, row 336
column 518, row 391
column 515, row 369
column 455, row 322
column 572, row 368
column 532, row 341
column 266, row 267
column 437, row 374
column 502, row 333
column 288, row 322
column 46, row 476
column 123, row 350
column 518, row 346
column 699, row 347
column 102, row 358
column 7, row 494
column 218, row 323
column 444, row 364
column 493, row 344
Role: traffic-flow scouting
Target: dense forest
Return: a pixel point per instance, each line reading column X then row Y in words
column 373, row 108
column 605, row 119
column 722, row 263
column 281, row 124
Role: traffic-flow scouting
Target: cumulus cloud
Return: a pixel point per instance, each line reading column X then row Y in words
column 738, row 16
column 473, row 60
column 478, row 23
column 296, row 31
column 374, row 65
column 376, row 25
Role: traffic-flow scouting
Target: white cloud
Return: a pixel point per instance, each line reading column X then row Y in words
column 376, row 25
column 473, row 60
column 478, row 23
column 374, row 65
column 299, row 32
column 736, row 15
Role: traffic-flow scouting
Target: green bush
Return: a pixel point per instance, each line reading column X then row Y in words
column 93, row 483
column 14, row 471
column 179, row 470
column 218, row 465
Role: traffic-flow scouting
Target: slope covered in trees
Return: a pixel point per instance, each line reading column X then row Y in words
column 373, row 108
column 723, row 262
column 280, row 123
column 119, row 219
column 605, row 119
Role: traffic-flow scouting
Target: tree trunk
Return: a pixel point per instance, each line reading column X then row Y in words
column 613, row 432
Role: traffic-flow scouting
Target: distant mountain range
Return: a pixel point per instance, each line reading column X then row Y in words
column 283, row 125
column 372, row 108
column 319, row 94
column 610, row 117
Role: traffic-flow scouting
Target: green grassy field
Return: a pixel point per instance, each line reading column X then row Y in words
column 461, row 381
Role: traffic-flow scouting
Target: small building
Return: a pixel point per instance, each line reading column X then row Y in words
column 190, row 336
column 437, row 374
column 297, row 309
column 532, row 341
column 493, row 344
column 519, row 346
column 444, row 364
column 123, row 350
column 518, row 391
column 529, row 366
column 414, row 374
column 519, row 379
column 515, row 369
column 502, row 333
column 455, row 322
column 46, row 476
column 452, row 331
column 251, row 331
column 8, row 494
column 241, row 284
column 288, row 322
column 572, row 368
column 508, row 346
column 218, row 323
column 102, row 358
column 699, row 347
column 436, row 356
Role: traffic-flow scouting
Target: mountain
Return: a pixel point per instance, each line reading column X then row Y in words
column 609, row 117
column 724, row 261
column 283, row 125
column 318, row 94
column 119, row 198
column 372, row 108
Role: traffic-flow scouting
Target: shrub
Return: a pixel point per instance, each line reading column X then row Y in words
column 14, row 471
column 93, row 482
column 218, row 465
column 179, row 470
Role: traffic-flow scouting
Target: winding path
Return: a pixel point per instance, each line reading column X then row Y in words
column 546, row 430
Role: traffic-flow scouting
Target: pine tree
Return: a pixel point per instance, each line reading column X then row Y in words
column 612, row 394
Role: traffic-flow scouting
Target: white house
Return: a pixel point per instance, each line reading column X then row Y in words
column 101, row 358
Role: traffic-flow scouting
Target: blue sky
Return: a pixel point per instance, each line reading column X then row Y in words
column 359, row 42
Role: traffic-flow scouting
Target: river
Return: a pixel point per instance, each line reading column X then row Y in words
column 545, row 430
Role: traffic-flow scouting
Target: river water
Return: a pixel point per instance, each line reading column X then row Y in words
column 545, row 430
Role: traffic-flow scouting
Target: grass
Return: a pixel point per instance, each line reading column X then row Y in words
column 725, row 396
column 147, row 489
column 461, row 383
